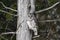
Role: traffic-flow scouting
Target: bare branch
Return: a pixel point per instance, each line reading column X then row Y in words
column 50, row 20
column 3, row 38
column 8, row 7
column 7, row 12
column 8, row 33
column 12, row 36
column 32, row 6
column 6, row 29
column 36, row 36
column 47, row 8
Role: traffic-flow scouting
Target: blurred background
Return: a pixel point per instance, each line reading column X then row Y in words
column 48, row 21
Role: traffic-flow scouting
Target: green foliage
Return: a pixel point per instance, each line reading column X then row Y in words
column 8, row 22
column 8, row 17
column 51, row 2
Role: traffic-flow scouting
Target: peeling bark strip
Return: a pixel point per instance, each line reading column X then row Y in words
column 23, row 32
column 32, row 19
column 32, row 3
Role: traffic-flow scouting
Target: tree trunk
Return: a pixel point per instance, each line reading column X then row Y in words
column 23, row 32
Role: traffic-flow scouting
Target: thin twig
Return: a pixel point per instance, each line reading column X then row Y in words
column 12, row 37
column 50, row 20
column 47, row 8
column 36, row 11
column 7, row 12
column 8, row 33
column 6, row 29
column 3, row 38
column 8, row 7
column 36, row 36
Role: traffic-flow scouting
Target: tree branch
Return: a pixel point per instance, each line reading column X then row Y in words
column 36, row 36
column 32, row 8
column 7, row 12
column 47, row 8
column 8, row 33
column 8, row 7
column 50, row 20
column 3, row 38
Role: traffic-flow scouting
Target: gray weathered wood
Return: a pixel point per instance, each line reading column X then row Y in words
column 23, row 32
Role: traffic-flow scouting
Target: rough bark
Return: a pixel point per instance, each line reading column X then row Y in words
column 26, row 20
column 23, row 32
